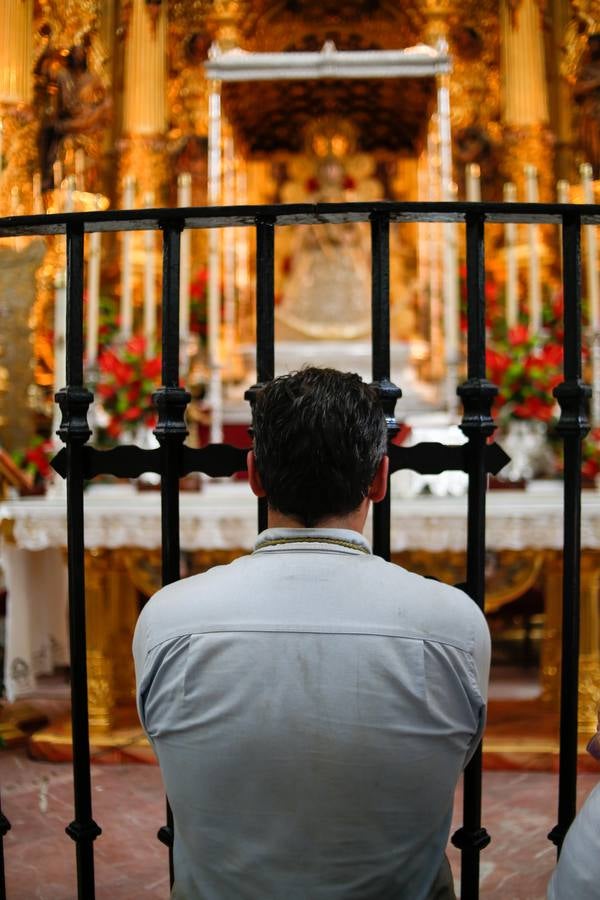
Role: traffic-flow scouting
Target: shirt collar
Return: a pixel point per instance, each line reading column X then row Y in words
column 342, row 540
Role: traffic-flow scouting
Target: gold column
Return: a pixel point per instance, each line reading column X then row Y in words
column 589, row 644
column 111, row 609
column 16, row 51
column 144, row 102
column 18, row 155
column 525, row 95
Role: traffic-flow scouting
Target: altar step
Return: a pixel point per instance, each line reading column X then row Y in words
column 522, row 733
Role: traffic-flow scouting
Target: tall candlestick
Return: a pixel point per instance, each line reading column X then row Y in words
column 93, row 295
column 126, row 271
column 184, row 199
column 512, row 276
column 229, row 243
column 473, row 183
column 451, row 322
column 591, row 251
column 60, row 314
column 215, row 392
column 535, row 287
column 241, row 239
column 149, row 283
column 433, row 244
column 591, row 248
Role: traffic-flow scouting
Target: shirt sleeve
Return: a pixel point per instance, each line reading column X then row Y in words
column 140, row 650
column 481, row 656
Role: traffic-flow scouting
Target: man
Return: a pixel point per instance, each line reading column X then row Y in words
column 577, row 873
column 311, row 705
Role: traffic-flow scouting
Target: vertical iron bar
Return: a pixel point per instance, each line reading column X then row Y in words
column 477, row 395
column 380, row 341
column 265, row 321
column 573, row 425
column 171, row 431
column 74, row 401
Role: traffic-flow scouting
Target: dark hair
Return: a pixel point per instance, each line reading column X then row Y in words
column 319, row 436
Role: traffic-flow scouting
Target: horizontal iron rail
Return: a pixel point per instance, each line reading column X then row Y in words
column 222, row 460
column 293, row 213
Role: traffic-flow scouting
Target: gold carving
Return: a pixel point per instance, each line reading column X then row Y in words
column 146, row 158
column 225, row 19
column 589, row 660
column 17, row 291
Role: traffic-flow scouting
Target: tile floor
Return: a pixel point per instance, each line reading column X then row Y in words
column 518, row 811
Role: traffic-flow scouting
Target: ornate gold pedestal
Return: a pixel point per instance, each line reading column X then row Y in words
column 117, row 581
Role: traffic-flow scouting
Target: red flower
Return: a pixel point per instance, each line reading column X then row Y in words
column 518, row 335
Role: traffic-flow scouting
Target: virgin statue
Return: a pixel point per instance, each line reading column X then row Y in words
column 326, row 291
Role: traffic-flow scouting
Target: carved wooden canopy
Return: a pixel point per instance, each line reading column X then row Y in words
column 388, row 115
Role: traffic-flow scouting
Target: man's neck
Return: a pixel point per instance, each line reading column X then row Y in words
column 354, row 521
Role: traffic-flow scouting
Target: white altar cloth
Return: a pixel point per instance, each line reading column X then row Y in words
column 222, row 516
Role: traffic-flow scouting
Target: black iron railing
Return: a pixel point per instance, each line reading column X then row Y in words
column 78, row 462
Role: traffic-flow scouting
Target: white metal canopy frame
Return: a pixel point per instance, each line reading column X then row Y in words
column 235, row 65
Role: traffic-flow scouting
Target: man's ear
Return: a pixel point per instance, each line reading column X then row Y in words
column 378, row 488
column 253, row 476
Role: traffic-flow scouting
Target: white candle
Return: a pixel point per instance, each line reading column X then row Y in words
column 184, row 199
column 591, row 251
column 563, row 191
column 149, row 283
column 512, row 277
column 93, row 295
column 126, row 262
column 15, row 200
column 57, row 175
column 535, row 287
column 473, row 183
column 80, row 169
column 36, row 193
column 69, row 200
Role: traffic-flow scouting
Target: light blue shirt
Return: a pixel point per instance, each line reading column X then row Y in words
column 311, row 707
column 577, row 874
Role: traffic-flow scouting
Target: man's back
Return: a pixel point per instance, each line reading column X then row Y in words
column 311, row 707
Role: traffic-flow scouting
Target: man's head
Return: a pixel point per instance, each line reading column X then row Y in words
column 319, row 440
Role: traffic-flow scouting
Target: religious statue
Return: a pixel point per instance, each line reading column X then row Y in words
column 76, row 110
column 586, row 91
column 326, row 293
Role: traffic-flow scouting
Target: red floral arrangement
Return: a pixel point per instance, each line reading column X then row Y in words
column 125, row 386
column 198, row 305
column 590, row 455
column 526, row 369
column 34, row 461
